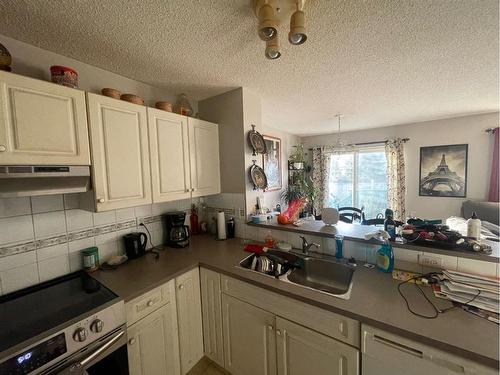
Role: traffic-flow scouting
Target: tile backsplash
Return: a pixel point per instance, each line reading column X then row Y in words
column 41, row 237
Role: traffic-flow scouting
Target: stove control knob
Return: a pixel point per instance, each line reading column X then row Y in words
column 80, row 335
column 96, row 326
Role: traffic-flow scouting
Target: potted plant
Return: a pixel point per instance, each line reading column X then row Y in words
column 298, row 158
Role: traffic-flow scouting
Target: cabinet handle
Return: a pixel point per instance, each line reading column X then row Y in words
column 181, row 287
column 131, row 341
column 193, row 189
column 3, row 148
column 187, row 190
column 149, row 303
column 100, row 200
column 278, row 332
column 270, row 327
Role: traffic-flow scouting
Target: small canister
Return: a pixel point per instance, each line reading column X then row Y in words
column 90, row 259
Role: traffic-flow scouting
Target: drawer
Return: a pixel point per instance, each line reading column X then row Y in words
column 328, row 323
column 144, row 305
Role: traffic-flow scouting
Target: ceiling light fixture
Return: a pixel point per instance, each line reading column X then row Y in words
column 340, row 146
column 271, row 14
column 297, row 34
column 273, row 49
column 267, row 23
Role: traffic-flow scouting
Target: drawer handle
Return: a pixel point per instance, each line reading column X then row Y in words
column 398, row 346
column 150, row 303
column 181, row 287
column 3, row 148
column 131, row 341
column 100, row 200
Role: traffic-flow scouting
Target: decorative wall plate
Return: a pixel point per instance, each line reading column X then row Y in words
column 258, row 177
column 256, row 141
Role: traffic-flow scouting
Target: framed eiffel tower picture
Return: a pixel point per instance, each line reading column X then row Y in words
column 443, row 171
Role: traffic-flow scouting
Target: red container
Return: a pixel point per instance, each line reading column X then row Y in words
column 62, row 75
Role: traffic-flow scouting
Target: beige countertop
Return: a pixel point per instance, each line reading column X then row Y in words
column 356, row 232
column 374, row 298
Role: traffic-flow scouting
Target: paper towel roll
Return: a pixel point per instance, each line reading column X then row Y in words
column 221, row 226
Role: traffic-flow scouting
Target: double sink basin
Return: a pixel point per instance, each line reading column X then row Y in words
column 312, row 272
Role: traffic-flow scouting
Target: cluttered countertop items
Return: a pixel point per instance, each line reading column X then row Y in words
column 374, row 298
column 418, row 235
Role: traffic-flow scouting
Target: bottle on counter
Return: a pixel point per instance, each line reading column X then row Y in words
column 390, row 226
column 474, row 227
column 231, row 227
column 385, row 258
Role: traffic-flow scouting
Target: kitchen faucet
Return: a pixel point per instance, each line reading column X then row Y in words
column 306, row 245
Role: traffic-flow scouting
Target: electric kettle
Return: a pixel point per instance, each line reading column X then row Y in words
column 135, row 244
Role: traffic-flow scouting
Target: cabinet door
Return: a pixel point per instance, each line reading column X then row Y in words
column 302, row 351
column 152, row 344
column 204, row 150
column 189, row 319
column 41, row 123
column 249, row 338
column 169, row 150
column 212, row 315
column 120, row 153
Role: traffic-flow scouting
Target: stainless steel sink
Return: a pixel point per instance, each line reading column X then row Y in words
column 320, row 274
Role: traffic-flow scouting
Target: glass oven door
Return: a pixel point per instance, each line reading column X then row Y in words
column 105, row 356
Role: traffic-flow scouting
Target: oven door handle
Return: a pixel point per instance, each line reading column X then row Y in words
column 98, row 352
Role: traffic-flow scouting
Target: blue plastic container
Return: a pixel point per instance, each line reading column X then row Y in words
column 385, row 258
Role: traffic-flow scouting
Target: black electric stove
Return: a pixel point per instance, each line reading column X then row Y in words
column 72, row 311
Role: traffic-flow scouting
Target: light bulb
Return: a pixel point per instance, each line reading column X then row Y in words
column 273, row 48
column 267, row 23
column 297, row 34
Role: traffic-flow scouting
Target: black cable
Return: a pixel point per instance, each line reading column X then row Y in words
column 435, row 308
column 156, row 253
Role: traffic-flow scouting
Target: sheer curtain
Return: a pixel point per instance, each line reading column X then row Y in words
column 320, row 174
column 396, row 184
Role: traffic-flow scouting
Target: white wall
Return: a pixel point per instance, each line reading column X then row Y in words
column 227, row 111
column 35, row 62
column 468, row 129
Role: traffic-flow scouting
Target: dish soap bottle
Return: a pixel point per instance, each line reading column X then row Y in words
column 474, row 227
column 385, row 258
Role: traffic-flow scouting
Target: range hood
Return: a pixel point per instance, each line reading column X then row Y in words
column 29, row 180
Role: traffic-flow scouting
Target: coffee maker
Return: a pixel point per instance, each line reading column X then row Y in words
column 177, row 232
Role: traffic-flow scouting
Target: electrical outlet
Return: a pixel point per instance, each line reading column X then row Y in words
column 430, row 261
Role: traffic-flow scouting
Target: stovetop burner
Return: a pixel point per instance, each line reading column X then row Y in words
column 38, row 309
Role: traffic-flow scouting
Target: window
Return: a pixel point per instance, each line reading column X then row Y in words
column 359, row 179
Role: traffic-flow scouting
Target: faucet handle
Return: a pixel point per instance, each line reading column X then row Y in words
column 316, row 244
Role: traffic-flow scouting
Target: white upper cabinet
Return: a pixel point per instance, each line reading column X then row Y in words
column 41, row 123
column 205, row 167
column 169, row 150
column 120, row 153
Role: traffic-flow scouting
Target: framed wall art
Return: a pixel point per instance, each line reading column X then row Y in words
column 443, row 171
column 271, row 162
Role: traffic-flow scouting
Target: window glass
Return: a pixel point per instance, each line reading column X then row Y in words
column 372, row 183
column 359, row 179
column 341, row 181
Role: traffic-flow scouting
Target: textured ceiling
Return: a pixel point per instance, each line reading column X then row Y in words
column 379, row 62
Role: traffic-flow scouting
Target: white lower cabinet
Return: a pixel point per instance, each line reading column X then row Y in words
column 301, row 351
column 249, row 338
column 152, row 344
column 211, row 309
column 189, row 319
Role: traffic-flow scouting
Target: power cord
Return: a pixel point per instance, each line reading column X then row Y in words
column 432, row 277
column 153, row 251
